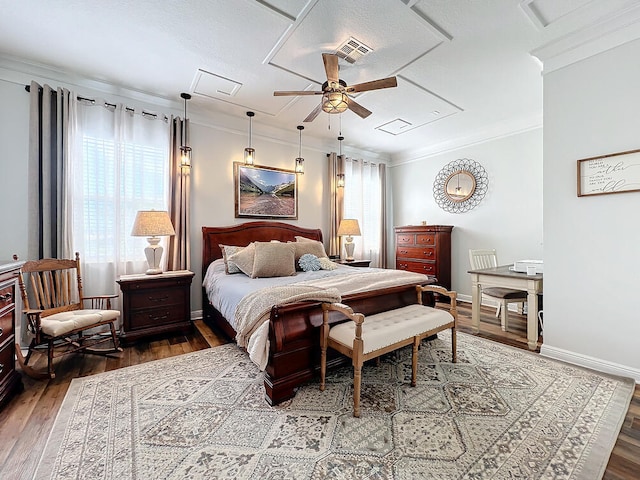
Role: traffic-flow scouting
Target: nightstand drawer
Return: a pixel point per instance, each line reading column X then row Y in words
column 152, row 317
column 426, row 253
column 149, row 298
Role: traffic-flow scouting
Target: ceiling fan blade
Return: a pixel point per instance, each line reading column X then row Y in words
column 331, row 67
column 373, row 85
column 314, row 113
column 357, row 109
column 293, row 92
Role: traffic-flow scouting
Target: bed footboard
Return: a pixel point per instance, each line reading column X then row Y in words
column 294, row 335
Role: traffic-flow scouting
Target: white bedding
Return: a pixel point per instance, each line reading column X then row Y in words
column 226, row 292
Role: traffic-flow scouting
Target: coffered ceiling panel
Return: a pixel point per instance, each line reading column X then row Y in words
column 395, row 34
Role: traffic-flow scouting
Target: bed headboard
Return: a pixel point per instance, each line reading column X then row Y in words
column 245, row 233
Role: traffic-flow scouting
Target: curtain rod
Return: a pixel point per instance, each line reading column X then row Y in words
column 106, row 104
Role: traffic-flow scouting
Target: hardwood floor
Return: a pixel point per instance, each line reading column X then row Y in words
column 26, row 420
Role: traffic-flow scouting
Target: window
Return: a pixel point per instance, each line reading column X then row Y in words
column 119, row 164
column 363, row 201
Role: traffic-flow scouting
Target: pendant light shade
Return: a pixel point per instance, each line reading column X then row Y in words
column 300, row 161
column 340, row 179
column 185, row 150
column 249, row 153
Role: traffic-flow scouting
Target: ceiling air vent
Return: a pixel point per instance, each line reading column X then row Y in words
column 352, row 50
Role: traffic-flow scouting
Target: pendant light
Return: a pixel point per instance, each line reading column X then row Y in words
column 185, row 150
column 249, row 153
column 300, row 160
column 340, row 182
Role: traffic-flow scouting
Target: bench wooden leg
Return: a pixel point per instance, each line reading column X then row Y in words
column 357, row 381
column 454, row 347
column 414, row 361
column 324, row 333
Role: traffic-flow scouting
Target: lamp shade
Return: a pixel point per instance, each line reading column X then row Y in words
column 349, row 226
column 152, row 223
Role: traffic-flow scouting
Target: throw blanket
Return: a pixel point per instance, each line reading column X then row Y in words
column 254, row 310
column 361, row 280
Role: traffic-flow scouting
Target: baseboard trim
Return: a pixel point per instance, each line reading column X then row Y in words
column 590, row 362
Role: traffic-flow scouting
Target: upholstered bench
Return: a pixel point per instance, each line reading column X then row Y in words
column 365, row 338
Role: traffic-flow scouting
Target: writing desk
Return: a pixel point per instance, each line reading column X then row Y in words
column 504, row 277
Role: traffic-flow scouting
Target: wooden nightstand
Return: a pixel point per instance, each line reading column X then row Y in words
column 354, row 263
column 155, row 304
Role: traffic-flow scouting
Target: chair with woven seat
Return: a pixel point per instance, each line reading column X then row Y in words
column 54, row 306
column 480, row 259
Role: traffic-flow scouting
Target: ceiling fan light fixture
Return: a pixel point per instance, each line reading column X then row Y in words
column 335, row 102
column 249, row 153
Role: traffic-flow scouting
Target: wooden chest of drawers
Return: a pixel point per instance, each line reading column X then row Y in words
column 425, row 249
column 155, row 304
column 10, row 380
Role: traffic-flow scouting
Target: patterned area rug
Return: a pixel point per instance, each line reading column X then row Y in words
column 498, row 413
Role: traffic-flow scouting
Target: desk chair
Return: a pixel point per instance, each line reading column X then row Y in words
column 56, row 314
column 489, row 259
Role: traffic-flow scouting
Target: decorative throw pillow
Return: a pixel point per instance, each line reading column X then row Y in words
column 309, row 246
column 227, row 251
column 304, row 239
column 243, row 259
column 309, row 263
column 327, row 264
column 273, row 259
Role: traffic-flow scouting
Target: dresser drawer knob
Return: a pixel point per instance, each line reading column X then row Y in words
column 6, row 297
column 159, row 317
column 1, row 332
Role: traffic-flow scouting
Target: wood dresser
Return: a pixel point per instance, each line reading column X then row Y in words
column 10, row 380
column 425, row 249
column 155, row 304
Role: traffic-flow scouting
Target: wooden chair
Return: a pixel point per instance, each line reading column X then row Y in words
column 56, row 315
column 365, row 338
column 479, row 259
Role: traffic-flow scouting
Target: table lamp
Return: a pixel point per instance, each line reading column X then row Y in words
column 152, row 224
column 349, row 227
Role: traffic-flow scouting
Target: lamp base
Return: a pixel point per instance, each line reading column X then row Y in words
column 153, row 252
column 349, row 246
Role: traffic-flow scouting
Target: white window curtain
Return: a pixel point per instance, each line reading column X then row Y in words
column 118, row 165
column 363, row 201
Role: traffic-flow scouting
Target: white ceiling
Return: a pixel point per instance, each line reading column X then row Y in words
column 463, row 66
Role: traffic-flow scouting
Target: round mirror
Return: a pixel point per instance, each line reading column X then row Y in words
column 459, row 186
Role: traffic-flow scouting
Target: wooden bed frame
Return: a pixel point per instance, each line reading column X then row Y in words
column 294, row 330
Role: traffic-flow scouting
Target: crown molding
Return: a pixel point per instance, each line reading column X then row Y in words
column 496, row 132
column 613, row 30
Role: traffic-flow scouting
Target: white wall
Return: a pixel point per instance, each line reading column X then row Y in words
column 592, row 244
column 509, row 218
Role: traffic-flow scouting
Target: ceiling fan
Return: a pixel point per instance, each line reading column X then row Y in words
column 335, row 98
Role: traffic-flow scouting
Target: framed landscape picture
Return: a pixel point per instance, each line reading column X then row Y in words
column 265, row 192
